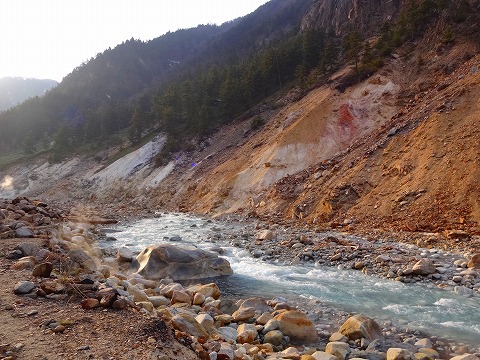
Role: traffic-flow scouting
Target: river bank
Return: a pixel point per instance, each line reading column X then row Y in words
column 274, row 243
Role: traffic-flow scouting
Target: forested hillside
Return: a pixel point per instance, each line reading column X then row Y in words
column 189, row 82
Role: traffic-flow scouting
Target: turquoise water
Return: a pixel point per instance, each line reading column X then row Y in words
column 434, row 311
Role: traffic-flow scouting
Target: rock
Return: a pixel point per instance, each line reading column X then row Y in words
column 120, row 304
column 243, row 314
column 169, row 289
column 188, row 324
column 24, row 232
column 82, row 260
column 264, row 318
column 290, row 353
column 398, row 354
column 23, row 287
column 382, row 258
column 52, row 287
column 422, row 356
column 246, row 333
column 104, row 270
column 198, row 299
column 228, row 333
column 181, row 297
column 226, row 352
column 42, row 270
column 59, row 329
column 297, row 326
column 361, row 326
column 14, row 254
column 107, row 297
column 430, row 352
column 463, row 290
column 271, row 325
column 465, row 357
column 180, row 263
column 338, row 349
column 26, row 262
column 158, row 301
column 424, row 267
column 124, row 255
column 224, row 318
column 474, row 262
column 322, row 355
column 423, row 343
column 147, row 305
column 89, row 303
column 138, row 295
column 273, row 337
column 457, row 234
column 208, row 290
column 336, row 336
column 28, row 249
column 42, row 254
column 377, row 345
column 206, row 321
column 266, row 235
column 260, row 305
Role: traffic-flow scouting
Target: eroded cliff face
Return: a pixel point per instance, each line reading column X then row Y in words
column 340, row 16
column 399, row 150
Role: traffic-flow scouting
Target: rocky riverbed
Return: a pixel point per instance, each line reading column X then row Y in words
column 68, row 269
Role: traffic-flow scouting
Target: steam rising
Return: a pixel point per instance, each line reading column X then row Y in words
column 7, row 183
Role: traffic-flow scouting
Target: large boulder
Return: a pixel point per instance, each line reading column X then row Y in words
column 296, row 325
column 361, row 326
column 180, row 263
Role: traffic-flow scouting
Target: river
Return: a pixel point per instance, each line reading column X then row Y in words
column 434, row 311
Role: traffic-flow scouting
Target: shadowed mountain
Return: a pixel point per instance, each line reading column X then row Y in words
column 14, row 90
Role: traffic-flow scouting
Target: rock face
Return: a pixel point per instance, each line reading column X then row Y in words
column 180, row 263
column 361, row 326
column 339, row 15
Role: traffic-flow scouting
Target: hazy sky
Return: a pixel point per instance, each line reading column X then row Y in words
column 47, row 39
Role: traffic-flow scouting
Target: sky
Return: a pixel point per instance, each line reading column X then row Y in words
column 47, row 39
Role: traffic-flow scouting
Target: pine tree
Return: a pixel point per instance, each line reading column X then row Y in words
column 352, row 47
column 136, row 126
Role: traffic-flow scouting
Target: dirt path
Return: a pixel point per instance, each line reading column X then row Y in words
column 92, row 334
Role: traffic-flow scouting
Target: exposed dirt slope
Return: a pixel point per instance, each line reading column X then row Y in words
column 322, row 124
column 421, row 175
column 400, row 150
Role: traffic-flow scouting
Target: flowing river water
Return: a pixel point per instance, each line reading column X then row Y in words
column 434, row 311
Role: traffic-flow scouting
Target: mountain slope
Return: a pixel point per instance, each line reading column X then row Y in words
column 14, row 90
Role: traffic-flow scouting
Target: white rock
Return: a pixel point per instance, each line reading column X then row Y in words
column 338, row 349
